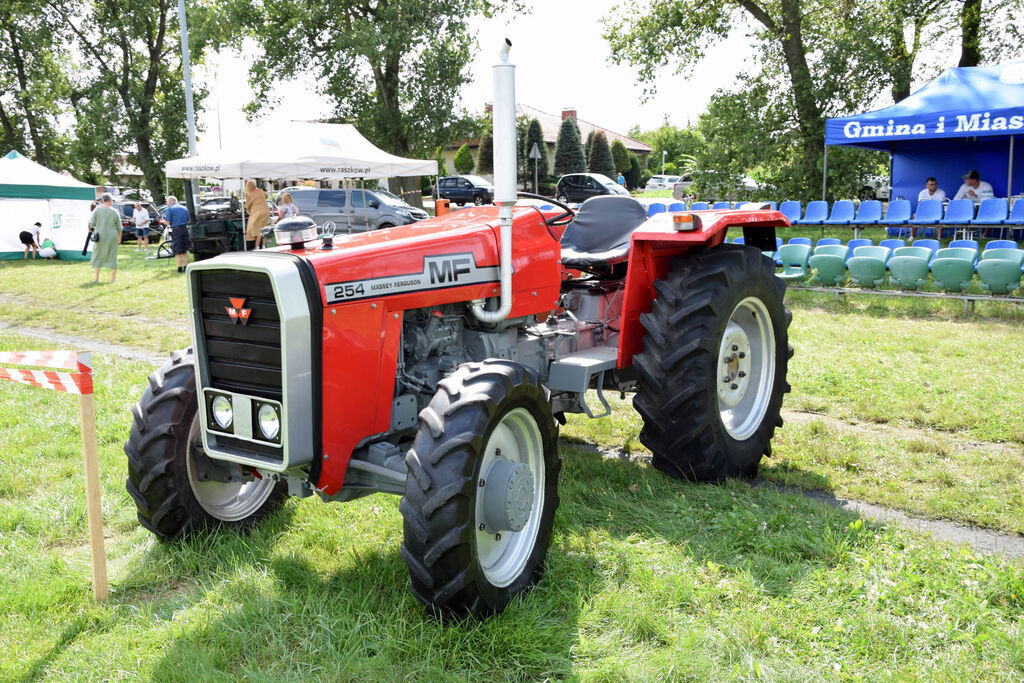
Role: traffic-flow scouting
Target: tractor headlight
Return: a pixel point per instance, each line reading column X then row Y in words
column 220, row 409
column 269, row 421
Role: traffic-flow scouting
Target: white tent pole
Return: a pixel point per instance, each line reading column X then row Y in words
column 348, row 204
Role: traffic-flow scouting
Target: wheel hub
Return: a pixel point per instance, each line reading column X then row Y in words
column 508, row 495
column 734, row 365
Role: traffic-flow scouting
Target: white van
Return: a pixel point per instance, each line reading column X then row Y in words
column 661, row 182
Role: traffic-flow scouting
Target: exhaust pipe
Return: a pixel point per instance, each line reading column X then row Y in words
column 504, row 113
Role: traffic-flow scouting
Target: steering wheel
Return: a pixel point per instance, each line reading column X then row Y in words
column 561, row 219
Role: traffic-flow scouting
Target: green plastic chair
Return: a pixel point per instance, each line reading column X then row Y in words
column 952, row 274
column 828, row 269
column 794, row 261
column 956, row 252
column 999, row 276
column 879, row 253
column 1014, row 255
column 866, row 271
column 920, row 252
column 908, row 272
column 833, row 249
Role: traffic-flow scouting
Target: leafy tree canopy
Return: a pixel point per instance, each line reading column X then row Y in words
column 463, row 160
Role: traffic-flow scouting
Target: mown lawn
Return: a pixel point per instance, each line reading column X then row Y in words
column 648, row 578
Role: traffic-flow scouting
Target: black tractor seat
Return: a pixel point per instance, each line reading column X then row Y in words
column 601, row 231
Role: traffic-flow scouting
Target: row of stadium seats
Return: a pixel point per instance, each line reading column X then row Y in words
column 952, row 269
column 992, row 213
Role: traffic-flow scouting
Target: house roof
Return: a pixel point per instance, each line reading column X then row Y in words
column 551, row 123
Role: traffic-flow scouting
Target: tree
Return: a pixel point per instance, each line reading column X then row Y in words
column 674, row 141
column 463, row 160
column 394, row 68
column 31, row 106
column 485, row 156
column 587, row 147
column 620, row 155
column 569, row 150
column 633, row 174
column 601, row 156
column 535, row 136
column 137, row 69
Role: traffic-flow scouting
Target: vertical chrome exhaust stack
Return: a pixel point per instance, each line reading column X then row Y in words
column 504, row 113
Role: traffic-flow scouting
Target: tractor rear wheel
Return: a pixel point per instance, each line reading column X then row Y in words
column 712, row 372
column 176, row 487
column 482, row 489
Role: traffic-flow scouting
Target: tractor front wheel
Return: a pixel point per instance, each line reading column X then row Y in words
column 482, row 489
column 176, row 487
column 712, row 373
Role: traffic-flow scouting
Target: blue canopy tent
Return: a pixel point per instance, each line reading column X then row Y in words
column 967, row 118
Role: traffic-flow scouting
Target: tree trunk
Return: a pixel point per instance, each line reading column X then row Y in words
column 13, row 138
column 809, row 122
column 902, row 63
column 970, row 26
column 23, row 98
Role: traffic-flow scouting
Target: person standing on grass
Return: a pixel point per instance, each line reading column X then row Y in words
column 30, row 238
column 105, row 223
column 178, row 218
column 140, row 217
column 258, row 212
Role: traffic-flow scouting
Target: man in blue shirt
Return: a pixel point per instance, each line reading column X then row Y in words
column 178, row 218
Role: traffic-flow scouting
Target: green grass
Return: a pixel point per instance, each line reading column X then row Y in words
column 648, row 578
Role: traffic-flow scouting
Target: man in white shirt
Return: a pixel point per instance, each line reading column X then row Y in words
column 932, row 191
column 974, row 189
column 140, row 217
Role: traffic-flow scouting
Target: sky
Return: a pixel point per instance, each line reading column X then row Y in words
column 561, row 59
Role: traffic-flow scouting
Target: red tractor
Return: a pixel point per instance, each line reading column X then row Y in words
column 435, row 361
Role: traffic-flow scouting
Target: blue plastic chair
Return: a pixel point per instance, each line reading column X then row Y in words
column 800, row 240
column 817, row 212
column 547, row 207
column 655, row 208
column 893, row 244
column 677, row 206
column 868, row 213
column 958, row 212
column 965, row 244
column 991, row 212
column 721, row 205
column 1000, row 244
column 842, row 213
column 859, row 242
column 897, row 213
column 1016, row 213
column 825, row 241
column 930, row 244
column 791, row 210
column 929, row 212
column 699, row 206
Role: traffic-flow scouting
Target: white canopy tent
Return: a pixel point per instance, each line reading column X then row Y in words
column 313, row 151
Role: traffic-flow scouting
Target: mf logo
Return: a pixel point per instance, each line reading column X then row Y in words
column 236, row 311
column 448, row 269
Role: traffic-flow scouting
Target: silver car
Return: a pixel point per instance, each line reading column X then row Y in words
column 356, row 210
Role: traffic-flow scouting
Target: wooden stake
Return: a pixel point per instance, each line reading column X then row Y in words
column 93, row 502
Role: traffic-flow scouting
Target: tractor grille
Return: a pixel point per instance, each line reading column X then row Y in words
column 245, row 359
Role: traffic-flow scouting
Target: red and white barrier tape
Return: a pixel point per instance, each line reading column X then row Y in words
column 69, row 382
column 65, row 360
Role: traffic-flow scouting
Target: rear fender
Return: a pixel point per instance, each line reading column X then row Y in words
column 657, row 242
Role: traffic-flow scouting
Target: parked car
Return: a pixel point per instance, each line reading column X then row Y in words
column 681, row 187
column 127, row 209
column 358, row 210
column 579, row 187
column 463, row 189
column 874, row 187
column 722, row 187
column 661, row 182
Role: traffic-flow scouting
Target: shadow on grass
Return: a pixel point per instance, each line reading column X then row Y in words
column 251, row 606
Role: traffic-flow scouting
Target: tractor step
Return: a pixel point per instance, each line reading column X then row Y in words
column 575, row 371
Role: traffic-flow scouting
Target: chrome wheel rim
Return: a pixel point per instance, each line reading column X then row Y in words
column 226, row 501
column 746, row 368
column 503, row 554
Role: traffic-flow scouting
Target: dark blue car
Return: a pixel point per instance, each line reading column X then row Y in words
column 464, row 189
